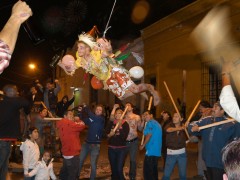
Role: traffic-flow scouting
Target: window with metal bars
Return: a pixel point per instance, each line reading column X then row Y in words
column 211, row 84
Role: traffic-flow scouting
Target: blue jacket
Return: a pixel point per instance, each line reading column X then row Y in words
column 95, row 125
column 214, row 139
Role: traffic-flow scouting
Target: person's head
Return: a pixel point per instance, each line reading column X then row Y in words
column 43, row 112
column 176, row 119
column 99, row 110
column 130, row 107
column 32, row 133
column 46, row 156
column 33, row 90
column 118, row 113
column 231, row 160
column 69, row 115
column 166, row 115
column 218, row 110
column 49, row 85
column 86, row 42
column 147, row 115
column 203, row 106
column 83, row 49
column 65, row 99
column 10, row 90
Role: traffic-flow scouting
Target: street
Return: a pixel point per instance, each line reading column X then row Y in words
column 104, row 170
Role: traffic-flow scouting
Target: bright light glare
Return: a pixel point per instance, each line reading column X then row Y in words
column 140, row 11
column 32, row 66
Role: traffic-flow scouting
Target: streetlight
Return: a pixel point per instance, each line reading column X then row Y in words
column 35, row 69
column 32, row 66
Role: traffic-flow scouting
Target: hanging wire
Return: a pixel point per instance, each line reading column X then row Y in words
column 108, row 27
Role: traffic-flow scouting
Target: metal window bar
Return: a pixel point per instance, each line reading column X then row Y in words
column 211, row 81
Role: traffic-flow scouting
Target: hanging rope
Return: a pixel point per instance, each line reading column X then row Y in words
column 108, row 27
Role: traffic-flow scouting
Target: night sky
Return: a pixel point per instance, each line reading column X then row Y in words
column 57, row 23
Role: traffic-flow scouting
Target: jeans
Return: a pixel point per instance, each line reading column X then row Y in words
column 133, row 149
column 5, row 151
column 116, row 158
column 94, row 150
column 200, row 163
column 150, row 168
column 69, row 170
column 181, row 159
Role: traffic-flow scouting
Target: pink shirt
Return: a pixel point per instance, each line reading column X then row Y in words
column 5, row 56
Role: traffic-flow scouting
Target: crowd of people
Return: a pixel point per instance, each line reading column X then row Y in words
column 167, row 134
column 165, row 137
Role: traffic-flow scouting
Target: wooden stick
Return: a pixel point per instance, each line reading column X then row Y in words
column 169, row 93
column 38, row 102
column 216, row 124
column 149, row 108
column 150, row 103
column 50, row 114
column 143, row 137
column 190, row 117
column 183, row 103
column 176, row 109
column 44, row 105
column 186, row 133
column 118, row 123
column 53, row 119
column 193, row 111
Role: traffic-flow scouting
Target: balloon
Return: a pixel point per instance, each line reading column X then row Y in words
column 69, row 62
column 96, row 84
column 136, row 72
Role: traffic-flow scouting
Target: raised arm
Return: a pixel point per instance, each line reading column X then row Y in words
column 113, row 112
column 71, row 100
column 20, row 13
column 227, row 98
column 57, row 88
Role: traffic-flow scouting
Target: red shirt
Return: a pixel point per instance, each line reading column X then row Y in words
column 69, row 132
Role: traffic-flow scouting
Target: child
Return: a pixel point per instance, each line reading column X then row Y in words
column 30, row 152
column 117, row 149
column 44, row 168
column 176, row 148
column 39, row 124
